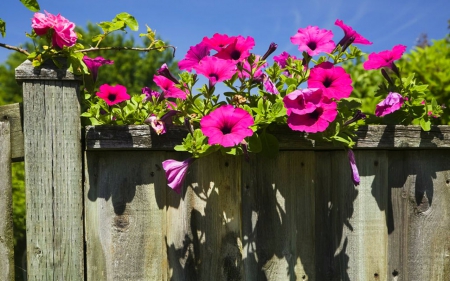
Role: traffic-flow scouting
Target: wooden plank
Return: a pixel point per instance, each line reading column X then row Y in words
column 352, row 244
column 419, row 244
column 141, row 137
column 53, row 179
column 204, row 239
column 13, row 113
column 278, row 209
column 6, row 220
column 125, row 205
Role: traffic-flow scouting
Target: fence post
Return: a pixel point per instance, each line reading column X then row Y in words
column 53, row 169
column 6, row 224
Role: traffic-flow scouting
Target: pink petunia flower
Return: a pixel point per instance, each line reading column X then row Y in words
column 247, row 69
column 391, row 103
column 349, row 33
column 314, row 40
column 384, row 58
column 168, row 87
column 282, row 59
column 218, row 41
column 176, row 172
column 215, row 69
column 335, row 82
column 113, row 94
column 160, row 124
column 94, row 64
column 194, row 56
column 227, row 126
column 64, row 31
column 303, row 101
column 238, row 50
column 309, row 110
column 269, row 86
column 355, row 174
column 149, row 94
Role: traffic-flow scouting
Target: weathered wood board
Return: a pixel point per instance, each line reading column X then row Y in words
column 6, row 219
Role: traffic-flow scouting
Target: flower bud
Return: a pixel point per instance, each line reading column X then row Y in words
column 272, row 48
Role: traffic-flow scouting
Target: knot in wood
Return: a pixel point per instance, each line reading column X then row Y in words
column 121, row 222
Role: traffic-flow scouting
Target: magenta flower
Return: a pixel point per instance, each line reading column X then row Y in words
column 349, row 33
column 160, row 124
column 238, row 50
column 168, row 87
column 64, row 31
column 309, row 110
column 247, row 69
column 269, row 86
column 176, row 172
column 355, row 174
column 215, row 69
column 314, row 40
column 227, row 126
column 194, row 56
column 113, row 94
column 384, row 58
column 335, row 82
column 391, row 103
column 156, row 124
column 149, row 94
column 165, row 71
column 94, row 64
column 303, row 101
column 282, row 59
column 218, row 41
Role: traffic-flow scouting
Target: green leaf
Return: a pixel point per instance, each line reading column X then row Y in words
column 270, row 145
column 32, row 5
column 179, row 147
column 254, row 143
column 425, row 124
column 129, row 20
column 2, row 28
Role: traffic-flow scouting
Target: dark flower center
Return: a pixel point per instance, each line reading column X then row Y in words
column 312, row 45
column 226, row 130
column 112, row 97
column 235, row 54
column 215, row 76
column 327, row 82
column 316, row 114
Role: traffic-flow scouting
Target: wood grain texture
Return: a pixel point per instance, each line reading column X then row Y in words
column 419, row 240
column 204, row 239
column 13, row 113
column 278, row 209
column 125, row 194
column 6, row 220
column 369, row 137
column 53, row 181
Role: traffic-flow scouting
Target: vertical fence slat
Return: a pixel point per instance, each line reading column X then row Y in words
column 204, row 225
column 53, row 170
column 352, row 242
column 279, row 217
column 419, row 244
column 125, row 216
column 6, row 223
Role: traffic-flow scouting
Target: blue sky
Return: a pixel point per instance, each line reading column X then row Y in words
column 185, row 23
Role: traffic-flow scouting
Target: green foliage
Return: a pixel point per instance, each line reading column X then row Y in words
column 132, row 69
column 431, row 66
column 422, row 66
column 32, row 5
column 18, row 185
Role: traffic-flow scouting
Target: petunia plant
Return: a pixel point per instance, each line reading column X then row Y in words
column 308, row 91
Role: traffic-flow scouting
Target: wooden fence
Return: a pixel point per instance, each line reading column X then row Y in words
column 98, row 207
